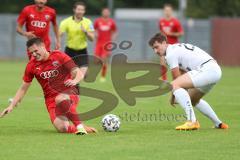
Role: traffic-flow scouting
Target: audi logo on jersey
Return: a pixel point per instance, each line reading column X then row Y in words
column 39, row 24
column 49, row 74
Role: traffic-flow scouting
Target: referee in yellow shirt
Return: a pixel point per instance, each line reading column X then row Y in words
column 79, row 30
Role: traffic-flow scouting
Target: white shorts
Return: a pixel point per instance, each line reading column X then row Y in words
column 206, row 76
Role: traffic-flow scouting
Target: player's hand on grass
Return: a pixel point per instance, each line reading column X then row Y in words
column 6, row 111
column 29, row 35
column 70, row 83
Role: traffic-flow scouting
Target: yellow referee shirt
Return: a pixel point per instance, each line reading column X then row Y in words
column 76, row 38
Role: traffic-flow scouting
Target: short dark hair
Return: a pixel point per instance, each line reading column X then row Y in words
column 79, row 3
column 33, row 41
column 168, row 5
column 158, row 37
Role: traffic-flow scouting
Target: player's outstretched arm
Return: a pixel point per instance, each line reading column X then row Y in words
column 17, row 99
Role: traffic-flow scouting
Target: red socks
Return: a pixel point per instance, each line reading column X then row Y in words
column 104, row 70
column 71, row 129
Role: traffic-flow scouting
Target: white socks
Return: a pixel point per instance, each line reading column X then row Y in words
column 207, row 110
column 184, row 100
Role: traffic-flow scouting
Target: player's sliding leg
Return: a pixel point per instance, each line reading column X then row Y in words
column 62, row 125
column 65, row 106
column 205, row 108
column 183, row 98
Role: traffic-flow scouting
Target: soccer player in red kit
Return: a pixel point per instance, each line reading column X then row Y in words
column 37, row 20
column 58, row 76
column 171, row 27
column 106, row 32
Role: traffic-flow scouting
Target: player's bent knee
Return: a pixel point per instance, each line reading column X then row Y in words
column 175, row 85
column 61, row 124
column 61, row 129
column 61, row 97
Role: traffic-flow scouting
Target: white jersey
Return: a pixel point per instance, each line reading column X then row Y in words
column 185, row 56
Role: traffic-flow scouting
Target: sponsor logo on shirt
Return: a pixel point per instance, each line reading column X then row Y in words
column 55, row 63
column 49, row 74
column 167, row 29
column 32, row 15
column 104, row 28
column 39, row 24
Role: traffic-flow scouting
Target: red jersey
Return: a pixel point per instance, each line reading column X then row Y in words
column 104, row 28
column 51, row 74
column 172, row 25
column 38, row 21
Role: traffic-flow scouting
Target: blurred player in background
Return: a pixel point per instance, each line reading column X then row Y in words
column 201, row 73
column 37, row 20
column 61, row 97
column 106, row 30
column 171, row 27
column 79, row 30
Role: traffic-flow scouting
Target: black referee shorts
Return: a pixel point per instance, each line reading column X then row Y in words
column 80, row 57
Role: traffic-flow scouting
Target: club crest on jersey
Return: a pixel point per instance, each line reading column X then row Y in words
column 55, row 63
column 47, row 17
column 32, row 15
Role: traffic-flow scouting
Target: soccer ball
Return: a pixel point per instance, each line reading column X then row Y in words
column 111, row 123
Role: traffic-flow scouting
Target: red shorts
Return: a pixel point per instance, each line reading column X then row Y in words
column 101, row 51
column 51, row 105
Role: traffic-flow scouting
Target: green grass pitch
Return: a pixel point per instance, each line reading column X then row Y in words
column 28, row 134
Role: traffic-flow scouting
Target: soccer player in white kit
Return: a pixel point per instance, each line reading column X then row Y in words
column 201, row 73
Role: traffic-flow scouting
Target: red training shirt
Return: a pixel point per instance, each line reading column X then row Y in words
column 104, row 28
column 38, row 21
column 51, row 74
column 172, row 25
